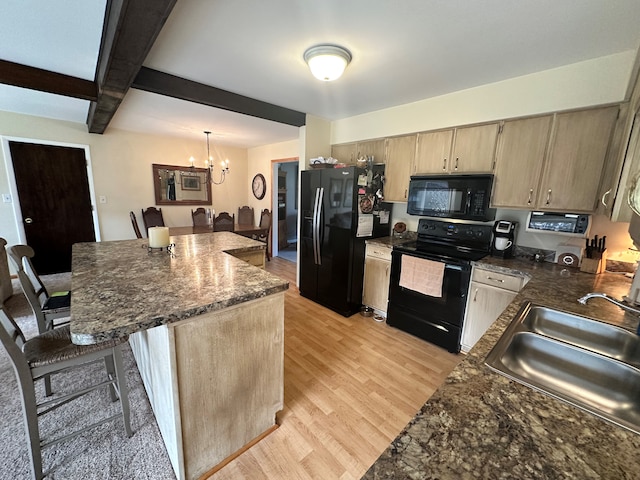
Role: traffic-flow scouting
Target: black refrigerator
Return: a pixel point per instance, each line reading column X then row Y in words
column 340, row 209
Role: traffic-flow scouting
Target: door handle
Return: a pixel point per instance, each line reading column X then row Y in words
column 28, row 220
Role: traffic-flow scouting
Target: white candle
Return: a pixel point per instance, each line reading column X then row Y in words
column 158, row 237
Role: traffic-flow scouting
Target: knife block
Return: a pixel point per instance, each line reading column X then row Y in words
column 594, row 265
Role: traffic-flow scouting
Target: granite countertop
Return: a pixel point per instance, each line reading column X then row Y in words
column 479, row 424
column 118, row 288
column 405, row 237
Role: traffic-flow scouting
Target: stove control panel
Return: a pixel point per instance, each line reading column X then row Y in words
column 455, row 232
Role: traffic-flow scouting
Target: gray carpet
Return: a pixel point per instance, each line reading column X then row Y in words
column 101, row 453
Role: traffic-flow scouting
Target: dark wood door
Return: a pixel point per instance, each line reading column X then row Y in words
column 53, row 191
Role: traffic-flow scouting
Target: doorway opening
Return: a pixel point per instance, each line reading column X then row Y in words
column 285, row 214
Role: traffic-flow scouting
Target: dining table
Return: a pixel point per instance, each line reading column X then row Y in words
column 241, row 229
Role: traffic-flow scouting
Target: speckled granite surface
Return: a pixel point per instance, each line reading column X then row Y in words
column 394, row 240
column 480, row 425
column 119, row 288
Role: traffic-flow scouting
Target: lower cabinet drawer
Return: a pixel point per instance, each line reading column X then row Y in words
column 497, row 279
column 376, row 251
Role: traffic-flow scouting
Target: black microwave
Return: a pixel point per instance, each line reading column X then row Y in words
column 452, row 196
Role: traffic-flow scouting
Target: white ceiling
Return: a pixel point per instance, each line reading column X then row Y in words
column 403, row 51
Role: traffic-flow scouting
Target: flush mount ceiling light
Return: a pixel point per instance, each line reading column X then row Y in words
column 327, row 62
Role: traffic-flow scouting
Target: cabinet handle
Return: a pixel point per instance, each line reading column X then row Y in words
column 530, row 195
column 548, row 196
column 604, row 197
column 475, row 295
column 444, row 164
column 405, row 193
column 495, row 279
column 456, row 167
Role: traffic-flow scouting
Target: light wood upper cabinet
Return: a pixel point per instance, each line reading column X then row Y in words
column 474, row 149
column 399, row 161
column 373, row 148
column 345, row 152
column 349, row 152
column 432, row 152
column 459, row 150
column 575, row 161
column 519, row 158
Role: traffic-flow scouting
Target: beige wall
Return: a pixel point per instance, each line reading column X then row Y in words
column 121, row 163
column 260, row 161
column 594, row 82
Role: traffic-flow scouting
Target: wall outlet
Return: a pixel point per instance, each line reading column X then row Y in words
column 103, row 199
column 6, row 197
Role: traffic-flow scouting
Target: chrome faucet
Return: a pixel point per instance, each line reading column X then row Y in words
column 583, row 301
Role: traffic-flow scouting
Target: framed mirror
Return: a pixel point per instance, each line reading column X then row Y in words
column 174, row 185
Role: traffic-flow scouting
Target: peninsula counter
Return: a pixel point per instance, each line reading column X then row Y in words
column 206, row 330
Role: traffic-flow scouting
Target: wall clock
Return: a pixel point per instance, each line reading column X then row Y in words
column 259, row 186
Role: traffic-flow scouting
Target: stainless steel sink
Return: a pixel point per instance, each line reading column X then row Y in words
column 583, row 332
column 586, row 363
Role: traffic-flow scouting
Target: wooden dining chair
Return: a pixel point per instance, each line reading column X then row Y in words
column 224, row 222
column 134, row 224
column 265, row 222
column 152, row 217
column 47, row 354
column 199, row 217
column 245, row 215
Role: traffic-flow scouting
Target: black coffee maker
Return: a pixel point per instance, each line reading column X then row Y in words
column 504, row 239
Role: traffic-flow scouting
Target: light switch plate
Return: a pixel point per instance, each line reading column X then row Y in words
column 103, row 199
column 6, row 197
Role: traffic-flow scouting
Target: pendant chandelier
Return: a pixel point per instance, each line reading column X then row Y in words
column 208, row 163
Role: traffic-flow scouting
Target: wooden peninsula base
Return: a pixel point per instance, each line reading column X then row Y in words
column 215, row 381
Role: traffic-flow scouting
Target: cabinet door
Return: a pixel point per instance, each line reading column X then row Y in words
column 373, row 148
column 376, row 283
column 474, row 149
column 345, row 153
column 484, row 306
column 519, row 158
column 432, row 152
column 576, row 158
column 400, row 154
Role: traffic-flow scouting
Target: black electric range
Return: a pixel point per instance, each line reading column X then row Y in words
column 437, row 319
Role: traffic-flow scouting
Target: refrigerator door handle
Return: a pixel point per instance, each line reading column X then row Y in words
column 319, row 226
column 314, row 227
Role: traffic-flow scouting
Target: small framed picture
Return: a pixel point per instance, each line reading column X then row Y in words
column 190, row 183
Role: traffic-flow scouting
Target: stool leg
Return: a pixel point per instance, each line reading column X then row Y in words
column 122, row 389
column 30, row 416
column 111, row 373
column 47, row 385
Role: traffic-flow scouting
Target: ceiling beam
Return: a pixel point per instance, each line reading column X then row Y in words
column 172, row 86
column 46, row 81
column 130, row 28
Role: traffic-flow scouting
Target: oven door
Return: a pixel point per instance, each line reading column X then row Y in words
column 435, row 319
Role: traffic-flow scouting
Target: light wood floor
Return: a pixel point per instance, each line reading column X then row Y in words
column 350, row 386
